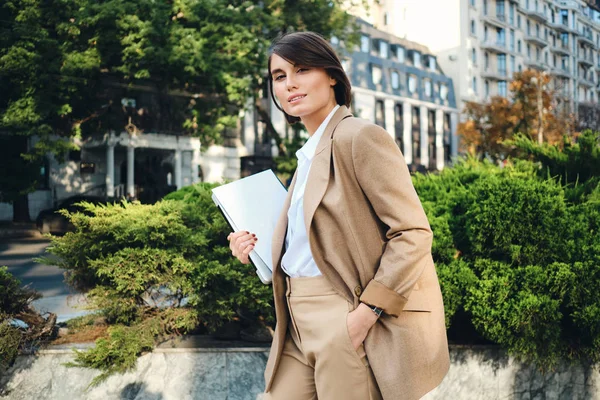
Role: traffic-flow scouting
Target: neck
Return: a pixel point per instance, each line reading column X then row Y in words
column 313, row 121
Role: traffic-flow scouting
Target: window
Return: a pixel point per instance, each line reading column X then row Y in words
column 412, row 83
column 486, row 89
column 546, row 58
column 519, row 21
column 416, row 59
column 385, row 18
column 500, row 10
column 383, row 49
column 400, row 54
column 443, row 91
column 474, row 56
column 43, row 181
column 375, row 74
column 520, row 68
column 519, row 45
column 501, row 64
column 564, row 38
column 395, row 78
column 431, row 60
column 486, row 60
column 399, row 125
column 428, row 88
column 511, row 14
column 500, row 37
column 346, row 65
column 485, row 7
column 537, row 54
column 528, row 28
column 529, row 51
column 416, row 134
column 485, row 34
column 473, row 29
column 474, row 85
column 379, row 113
column 472, row 2
column 512, row 40
column 502, row 88
column 513, row 63
column 364, row 44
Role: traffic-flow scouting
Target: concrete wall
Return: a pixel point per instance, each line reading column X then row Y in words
column 478, row 373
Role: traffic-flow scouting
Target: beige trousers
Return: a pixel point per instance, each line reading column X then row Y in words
column 318, row 360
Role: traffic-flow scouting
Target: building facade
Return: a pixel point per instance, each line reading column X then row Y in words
column 481, row 43
column 398, row 84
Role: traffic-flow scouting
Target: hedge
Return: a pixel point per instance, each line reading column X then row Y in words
column 517, row 252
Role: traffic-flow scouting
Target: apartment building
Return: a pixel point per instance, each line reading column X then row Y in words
column 481, row 43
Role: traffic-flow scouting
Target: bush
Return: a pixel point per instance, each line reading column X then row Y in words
column 168, row 262
column 518, row 257
column 15, row 303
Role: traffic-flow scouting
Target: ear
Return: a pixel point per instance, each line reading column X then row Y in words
column 332, row 82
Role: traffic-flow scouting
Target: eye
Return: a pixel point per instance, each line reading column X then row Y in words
column 278, row 77
column 303, row 69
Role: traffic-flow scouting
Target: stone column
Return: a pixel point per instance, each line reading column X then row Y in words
column 439, row 139
column 130, row 171
column 453, row 126
column 424, row 137
column 178, row 177
column 195, row 165
column 407, row 134
column 110, row 168
column 389, row 114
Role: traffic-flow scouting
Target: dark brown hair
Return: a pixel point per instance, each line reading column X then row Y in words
column 311, row 50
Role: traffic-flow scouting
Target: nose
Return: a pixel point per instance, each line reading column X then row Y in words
column 291, row 83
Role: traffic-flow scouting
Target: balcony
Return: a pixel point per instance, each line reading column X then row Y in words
column 536, row 40
column 587, row 39
column 494, row 74
column 536, row 64
column 562, row 27
column 496, row 47
column 498, row 20
column 561, row 72
column 560, row 48
column 535, row 15
column 587, row 61
column 586, row 82
column 572, row 4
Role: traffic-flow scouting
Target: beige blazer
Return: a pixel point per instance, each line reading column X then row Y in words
column 370, row 238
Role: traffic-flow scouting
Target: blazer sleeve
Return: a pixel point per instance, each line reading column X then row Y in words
column 383, row 175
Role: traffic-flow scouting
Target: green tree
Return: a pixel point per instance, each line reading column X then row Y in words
column 65, row 66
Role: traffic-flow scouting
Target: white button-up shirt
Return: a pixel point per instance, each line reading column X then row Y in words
column 298, row 260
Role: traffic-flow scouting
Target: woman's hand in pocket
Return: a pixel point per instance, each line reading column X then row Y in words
column 241, row 244
column 359, row 322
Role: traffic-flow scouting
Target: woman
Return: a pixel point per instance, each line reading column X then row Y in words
column 357, row 300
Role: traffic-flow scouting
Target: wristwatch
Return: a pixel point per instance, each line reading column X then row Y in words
column 378, row 311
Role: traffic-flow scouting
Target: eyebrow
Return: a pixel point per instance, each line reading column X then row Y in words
column 276, row 71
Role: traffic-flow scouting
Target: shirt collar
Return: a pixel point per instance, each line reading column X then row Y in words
column 308, row 150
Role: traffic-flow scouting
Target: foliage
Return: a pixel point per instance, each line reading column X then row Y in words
column 118, row 352
column 512, row 251
column 531, row 109
column 191, row 66
column 14, row 303
column 155, row 270
column 575, row 162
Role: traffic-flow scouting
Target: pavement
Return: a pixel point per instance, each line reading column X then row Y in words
column 17, row 253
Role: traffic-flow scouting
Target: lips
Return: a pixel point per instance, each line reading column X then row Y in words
column 295, row 98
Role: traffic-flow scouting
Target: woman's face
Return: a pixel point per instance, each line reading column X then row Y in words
column 304, row 92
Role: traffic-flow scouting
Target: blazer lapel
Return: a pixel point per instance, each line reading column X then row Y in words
column 318, row 177
column 281, row 227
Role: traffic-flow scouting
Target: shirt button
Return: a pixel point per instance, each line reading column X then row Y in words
column 358, row 291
